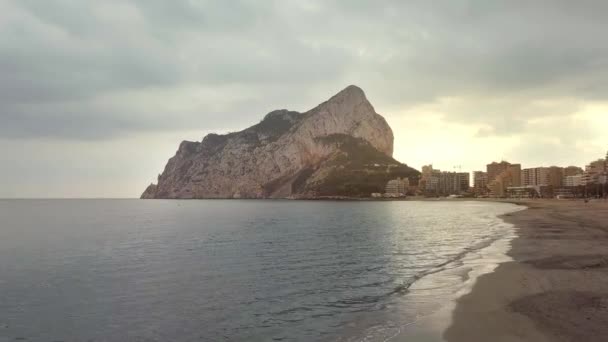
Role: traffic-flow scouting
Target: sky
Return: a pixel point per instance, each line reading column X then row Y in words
column 96, row 96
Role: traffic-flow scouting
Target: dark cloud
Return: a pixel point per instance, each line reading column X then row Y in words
column 58, row 59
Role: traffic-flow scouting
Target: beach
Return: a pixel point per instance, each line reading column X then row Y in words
column 556, row 287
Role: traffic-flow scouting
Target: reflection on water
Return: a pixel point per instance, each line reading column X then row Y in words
column 115, row 270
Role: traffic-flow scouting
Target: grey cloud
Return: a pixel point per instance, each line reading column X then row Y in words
column 89, row 121
column 58, row 58
column 505, row 49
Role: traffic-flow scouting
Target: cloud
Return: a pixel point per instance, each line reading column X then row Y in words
column 86, row 71
column 66, row 54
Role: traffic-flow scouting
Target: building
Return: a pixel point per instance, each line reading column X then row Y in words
column 542, row 176
column 480, row 181
column 595, row 178
column 509, row 177
column 432, row 184
column 464, row 179
column 429, row 180
column 556, row 177
column 573, row 181
column 535, row 176
column 593, row 171
column 451, row 183
column 397, row 187
column 436, row 182
column 494, row 169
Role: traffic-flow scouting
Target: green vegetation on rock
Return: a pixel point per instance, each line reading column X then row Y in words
column 359, row 169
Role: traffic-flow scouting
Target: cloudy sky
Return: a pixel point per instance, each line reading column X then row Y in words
column 96, row 96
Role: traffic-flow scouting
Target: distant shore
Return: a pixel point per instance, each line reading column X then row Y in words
column 556, row 289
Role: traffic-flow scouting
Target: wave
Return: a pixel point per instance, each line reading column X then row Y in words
column 404, row 288
column 343, row 303
column 389, row 330
column 455, row 259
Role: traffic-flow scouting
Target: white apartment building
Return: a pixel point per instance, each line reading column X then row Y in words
column 571, row 181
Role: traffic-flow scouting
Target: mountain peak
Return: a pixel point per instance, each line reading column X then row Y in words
column 345, row 101
column 353, row 89
column 352, row 92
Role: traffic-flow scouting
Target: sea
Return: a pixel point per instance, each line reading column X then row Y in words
column 240, row 270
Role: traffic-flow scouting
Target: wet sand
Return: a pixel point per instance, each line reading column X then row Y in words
column 556, row 289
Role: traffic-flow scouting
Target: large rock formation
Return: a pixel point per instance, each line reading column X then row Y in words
column 340, row 148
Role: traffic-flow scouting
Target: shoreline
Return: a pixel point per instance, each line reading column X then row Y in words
column 472, row 265
column 556, row 287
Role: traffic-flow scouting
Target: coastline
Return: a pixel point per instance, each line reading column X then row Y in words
column 556, row 287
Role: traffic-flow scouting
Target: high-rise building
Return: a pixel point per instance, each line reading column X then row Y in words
column 464, row 179
column 446, row 183
column 427, row 170
column 494, row 169
column 480, row 180
column 535, row 176
column 542, row 176
column 429, row 180
column 593, row 171
column 453, row 182
column 509, row 177
column 556, row 177
column 432, row 184
column 480, row 183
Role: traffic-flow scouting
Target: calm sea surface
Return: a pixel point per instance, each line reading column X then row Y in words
column 228, row 270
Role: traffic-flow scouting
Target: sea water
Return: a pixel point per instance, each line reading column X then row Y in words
column 233, row 270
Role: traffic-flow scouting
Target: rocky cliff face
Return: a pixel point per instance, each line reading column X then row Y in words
column 287, row 154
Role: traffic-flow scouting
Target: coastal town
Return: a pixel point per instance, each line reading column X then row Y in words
column 507, row 180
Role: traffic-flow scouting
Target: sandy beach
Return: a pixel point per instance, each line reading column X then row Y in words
column 556, row 289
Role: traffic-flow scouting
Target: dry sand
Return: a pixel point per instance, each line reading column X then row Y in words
column 556, row 289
